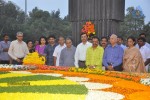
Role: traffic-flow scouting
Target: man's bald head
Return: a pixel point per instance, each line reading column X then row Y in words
column 113, row 39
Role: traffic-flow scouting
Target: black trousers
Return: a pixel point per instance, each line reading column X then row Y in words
column 17, row 63
column 82, row 64
column 117, row 68
column 4, row 62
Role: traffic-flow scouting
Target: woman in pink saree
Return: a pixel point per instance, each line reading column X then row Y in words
column 132, row 60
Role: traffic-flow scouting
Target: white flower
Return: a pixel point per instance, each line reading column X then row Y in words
column 101, row 95
column 145, row 81
column 51, row 74
column 77, row 79
column 91, row 85
column 21, row 72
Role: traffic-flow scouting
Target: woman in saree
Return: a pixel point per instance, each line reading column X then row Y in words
column 132, row 60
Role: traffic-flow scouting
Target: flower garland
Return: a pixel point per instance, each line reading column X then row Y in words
column 38, row 68
column 88, row 28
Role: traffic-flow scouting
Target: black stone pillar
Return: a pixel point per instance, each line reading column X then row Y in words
column 105, row 14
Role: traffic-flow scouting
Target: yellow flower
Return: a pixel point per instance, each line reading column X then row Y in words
column 46, row 82
column 34, row 58
column 40, row 96
column 13, row 75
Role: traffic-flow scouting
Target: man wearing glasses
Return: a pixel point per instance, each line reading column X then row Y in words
column 18, row 49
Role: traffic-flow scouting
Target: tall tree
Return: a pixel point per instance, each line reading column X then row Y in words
column 133, row 22
column 45, row 23
column 38, row 22
column 146, row 30
column 11, row 19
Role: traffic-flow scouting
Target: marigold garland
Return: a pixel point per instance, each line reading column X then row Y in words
column 5, row 69
column 88, row 28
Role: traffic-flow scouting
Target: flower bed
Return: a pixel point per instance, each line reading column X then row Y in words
column 38, row 87
column 102, row 86
column 37, row 68
column 124, row 87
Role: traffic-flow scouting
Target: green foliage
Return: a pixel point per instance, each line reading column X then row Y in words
column 38, row 22
column 11, row 18
column 146, row 30
column 133, row 23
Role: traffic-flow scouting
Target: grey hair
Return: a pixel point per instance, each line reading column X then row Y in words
column 19, row 33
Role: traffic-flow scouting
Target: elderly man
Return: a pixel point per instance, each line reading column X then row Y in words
column 58, row 49
column 94, row 55
column 113, row 55
column 67, row 54
column 18, row 49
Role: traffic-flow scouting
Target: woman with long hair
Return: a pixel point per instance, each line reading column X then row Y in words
column 42, row 44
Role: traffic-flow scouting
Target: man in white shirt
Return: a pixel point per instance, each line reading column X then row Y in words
column 143, row 35
column 58, row 49
column 18, row 49
column 80, row 54
column 145, row 51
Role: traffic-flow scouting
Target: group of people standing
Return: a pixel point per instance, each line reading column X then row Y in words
column 109, row 53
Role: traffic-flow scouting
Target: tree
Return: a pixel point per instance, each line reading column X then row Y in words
column 146, row 30
column 38, row 22
column 55, row 14
column 133, row 22
column 43, row 23
column 11, row 19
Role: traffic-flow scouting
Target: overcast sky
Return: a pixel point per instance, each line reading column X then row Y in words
column 50, row 5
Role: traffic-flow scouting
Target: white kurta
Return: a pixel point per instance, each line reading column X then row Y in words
column 57, row 53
